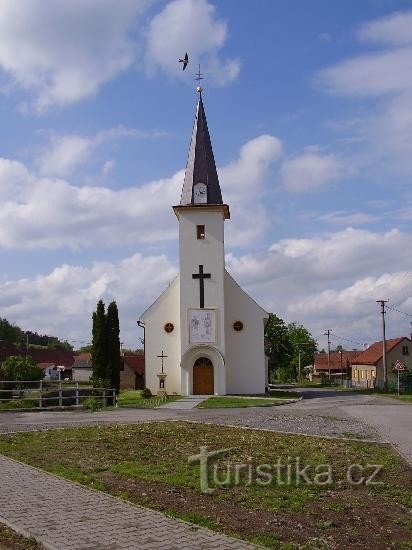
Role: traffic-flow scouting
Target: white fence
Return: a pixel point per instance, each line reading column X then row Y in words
column 20, row 394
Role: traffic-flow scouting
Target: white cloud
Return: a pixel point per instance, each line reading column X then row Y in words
column 311, row 170
column 52, row 213
column 190, row 26
column 332, row 281
column 370, row 75
column 65, row 153
column 243, row 184
column 65, row 51
column 61, row 302
column 395, row 28
column 341, row 217
column 383, row 78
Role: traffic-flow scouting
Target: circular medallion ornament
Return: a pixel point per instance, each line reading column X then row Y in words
column 169, row 327
column 238, row 326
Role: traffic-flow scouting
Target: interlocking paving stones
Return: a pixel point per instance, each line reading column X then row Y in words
column 64, row 516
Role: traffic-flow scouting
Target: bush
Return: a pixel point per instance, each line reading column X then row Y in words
column 19, row 404
column 92, row 403
column 146, row 393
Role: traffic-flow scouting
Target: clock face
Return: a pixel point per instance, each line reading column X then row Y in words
column 200, row 193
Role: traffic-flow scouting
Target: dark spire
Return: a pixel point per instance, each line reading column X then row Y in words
column 201, row 165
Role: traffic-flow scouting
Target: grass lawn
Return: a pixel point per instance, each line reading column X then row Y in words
column 405, row 398
column 230, row 401
column 148, row 464
column 133, row 398
column 10, row 540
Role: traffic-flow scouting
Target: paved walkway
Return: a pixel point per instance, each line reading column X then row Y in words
column 65, row 516
column 186, row 403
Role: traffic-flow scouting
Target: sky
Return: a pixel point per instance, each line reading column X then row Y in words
column 309, row 106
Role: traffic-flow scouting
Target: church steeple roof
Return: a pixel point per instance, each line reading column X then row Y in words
column 201, row 165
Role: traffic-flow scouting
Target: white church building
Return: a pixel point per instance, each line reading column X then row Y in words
column 209, row 331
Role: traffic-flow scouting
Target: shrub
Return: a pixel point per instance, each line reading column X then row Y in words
column 19, row 404
column 146, row 393
column 92, row 403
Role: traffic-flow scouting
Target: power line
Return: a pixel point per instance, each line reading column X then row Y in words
column 347, row 339
column 399, row 311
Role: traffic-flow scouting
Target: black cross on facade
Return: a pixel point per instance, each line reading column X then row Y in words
column 162, row 357
column 201, row 276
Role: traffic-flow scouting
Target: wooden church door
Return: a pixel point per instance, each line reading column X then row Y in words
column 203, row 383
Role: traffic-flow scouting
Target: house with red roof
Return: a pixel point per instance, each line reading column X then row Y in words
column 131, row 374
column 338, row 363
column 367, row 367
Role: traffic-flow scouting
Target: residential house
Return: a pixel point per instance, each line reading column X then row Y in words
column 367, row 368
column 339, row 363
column 56, row 363
column 82, row 367
column 132, row 375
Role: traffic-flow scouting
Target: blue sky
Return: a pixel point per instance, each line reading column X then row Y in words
column 309, row 108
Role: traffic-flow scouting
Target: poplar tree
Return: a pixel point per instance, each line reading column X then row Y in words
column 113, row 346
column 99, row 345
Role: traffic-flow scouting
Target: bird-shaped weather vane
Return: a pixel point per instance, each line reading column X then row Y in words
column 184, row 61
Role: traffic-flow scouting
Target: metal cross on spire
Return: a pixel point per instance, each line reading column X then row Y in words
column 199, row 78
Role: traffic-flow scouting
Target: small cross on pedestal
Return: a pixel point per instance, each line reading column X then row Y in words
column 162, row 377
column 201, row 276
column 162, row 357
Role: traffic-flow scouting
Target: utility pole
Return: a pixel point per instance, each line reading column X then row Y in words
column 327, row 333
column 385, row 371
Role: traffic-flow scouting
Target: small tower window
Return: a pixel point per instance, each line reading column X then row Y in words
column 200, row 231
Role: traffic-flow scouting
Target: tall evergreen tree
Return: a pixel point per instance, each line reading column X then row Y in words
column 99, row 344
column 114, row 361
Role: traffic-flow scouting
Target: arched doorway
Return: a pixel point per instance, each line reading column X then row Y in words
column 203, row 383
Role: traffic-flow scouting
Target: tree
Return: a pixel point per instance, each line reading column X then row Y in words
column 278, row 348
column 303, row 345
column 10, row 333
column 114, row 361
column 60, row 344
column 99, row 344
column 20, row 368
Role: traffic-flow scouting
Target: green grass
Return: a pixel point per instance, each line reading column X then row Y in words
column 148, row 464
column 9, row 539
column 133, row 398
column 404, row 398
column 223, row 402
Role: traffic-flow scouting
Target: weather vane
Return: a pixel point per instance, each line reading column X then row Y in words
column 199, row 78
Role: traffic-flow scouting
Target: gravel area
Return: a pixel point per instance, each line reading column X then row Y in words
column 296, row 422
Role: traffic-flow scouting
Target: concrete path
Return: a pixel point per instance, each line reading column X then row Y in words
column 66, row 516
column 186, row 403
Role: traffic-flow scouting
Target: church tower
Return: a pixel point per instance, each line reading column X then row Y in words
column 202, row 214
column 204, row 334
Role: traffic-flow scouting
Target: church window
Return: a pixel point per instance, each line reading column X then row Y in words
column 238, row 326
column 200, row 229
column 169, row 327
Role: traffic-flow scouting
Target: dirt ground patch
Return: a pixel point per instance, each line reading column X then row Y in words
column 338, row 519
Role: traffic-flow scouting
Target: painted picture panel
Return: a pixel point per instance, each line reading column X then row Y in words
column 202, row 326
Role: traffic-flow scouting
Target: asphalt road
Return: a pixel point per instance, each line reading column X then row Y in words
column 324, row 412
